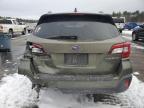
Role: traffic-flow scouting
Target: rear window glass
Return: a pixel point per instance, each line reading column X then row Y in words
column 5, row 22
column 84, row 30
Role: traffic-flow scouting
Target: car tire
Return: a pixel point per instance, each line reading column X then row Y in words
column 134, row 37
column 24, row 31
column 11, row 33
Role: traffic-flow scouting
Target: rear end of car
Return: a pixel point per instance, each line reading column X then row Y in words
column 4, row 25
column 77, row 52
column 3, row 28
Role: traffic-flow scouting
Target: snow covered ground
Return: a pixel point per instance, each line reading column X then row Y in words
column 16, row 92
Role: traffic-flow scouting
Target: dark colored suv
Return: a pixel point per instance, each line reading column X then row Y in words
column 77, row 52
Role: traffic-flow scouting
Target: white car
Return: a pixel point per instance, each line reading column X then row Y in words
column 31, row 27
column 119, row 22
column 12, row 26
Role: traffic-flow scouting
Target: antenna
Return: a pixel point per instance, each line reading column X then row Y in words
column 75, row 10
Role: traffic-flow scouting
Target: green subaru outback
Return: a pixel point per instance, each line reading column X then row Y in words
column 77, row 52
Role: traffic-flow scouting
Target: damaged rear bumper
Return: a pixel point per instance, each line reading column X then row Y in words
column 77, row 83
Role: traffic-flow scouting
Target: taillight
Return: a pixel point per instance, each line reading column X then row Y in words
column 37, row 48
column 121, row 48
column 1, row 28
column 127, row 83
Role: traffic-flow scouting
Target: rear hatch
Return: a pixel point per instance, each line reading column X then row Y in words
column 78, row 43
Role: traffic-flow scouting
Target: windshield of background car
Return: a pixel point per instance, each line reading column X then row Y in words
column 84, row 30
column 5, row 22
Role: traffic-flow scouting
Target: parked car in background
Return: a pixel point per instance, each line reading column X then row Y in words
column 119, row 22
column 77, row 52
column 130, row 25
column 5, row 42
column 138, row 33
column 12, row 26
column 31, row 27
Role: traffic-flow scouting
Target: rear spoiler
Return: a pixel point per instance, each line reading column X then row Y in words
column 46, row 18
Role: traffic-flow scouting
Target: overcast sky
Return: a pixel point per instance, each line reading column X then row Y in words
column 35, row 8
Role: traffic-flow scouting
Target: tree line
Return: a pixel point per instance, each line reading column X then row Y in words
column 136, row 16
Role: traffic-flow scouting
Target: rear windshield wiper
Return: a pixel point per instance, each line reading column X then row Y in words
column 64, row 37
